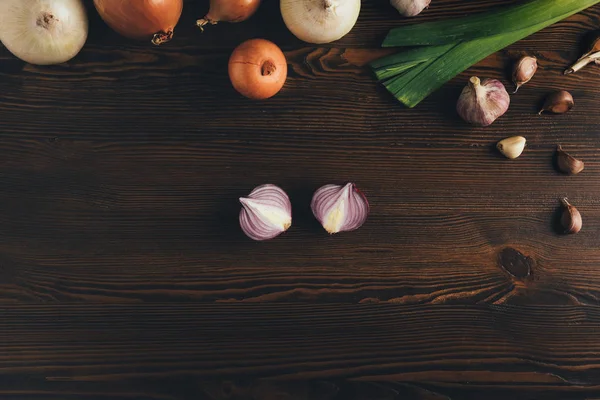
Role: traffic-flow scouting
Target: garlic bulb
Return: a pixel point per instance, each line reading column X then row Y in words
column 410, row 8
column 481, row 103
column 340, row 208
column 266, row 212
column 43, row 32
column 320, row 21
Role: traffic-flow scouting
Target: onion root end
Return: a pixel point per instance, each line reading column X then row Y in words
column 201, row 23
column 162, row 37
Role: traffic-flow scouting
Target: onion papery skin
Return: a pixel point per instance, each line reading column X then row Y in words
column 257, row 69
column 340, row 208
column 228, row 11
column 142, row 19
column 43, row 32
column 266, row 213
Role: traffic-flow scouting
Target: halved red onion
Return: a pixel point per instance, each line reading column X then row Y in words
column 340, row 208
column 266, row 212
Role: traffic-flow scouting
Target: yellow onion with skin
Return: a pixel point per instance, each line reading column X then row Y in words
column 228, row 11
column 142, row 19
column 257, row 69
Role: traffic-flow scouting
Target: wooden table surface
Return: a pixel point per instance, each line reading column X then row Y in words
column 124, row 274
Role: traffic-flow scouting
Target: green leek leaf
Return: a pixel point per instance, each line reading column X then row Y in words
column 495, row 22
column 452, row 46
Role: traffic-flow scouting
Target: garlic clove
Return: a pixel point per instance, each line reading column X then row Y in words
column 512, row 147
column 592, row 56
column 524, row 71
column 567, row 163
column 481, row 103
column 266, row 212
column 571, row 219
column 558, row 103
column 410, row 8
column 340, row 208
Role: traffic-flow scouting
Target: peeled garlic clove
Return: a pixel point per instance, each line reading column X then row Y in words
column 571, row 218
column 340, row 208
column 410, row 8
column 512, row 147
column 266, row 212
column 524, row 70
column 558, row 103
column 567, row 163
column 481, row 103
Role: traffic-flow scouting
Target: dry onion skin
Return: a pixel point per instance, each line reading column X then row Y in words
column 43, row 32
column 228, row 11
column 257, row 69
column 142, row 19
column 320, row 21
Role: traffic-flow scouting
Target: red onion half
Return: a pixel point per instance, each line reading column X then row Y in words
column 340, row 208
column 266, row 212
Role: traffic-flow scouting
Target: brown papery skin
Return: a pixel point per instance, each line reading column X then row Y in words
column 257, row 69
column 229, row 11
column 141, row 19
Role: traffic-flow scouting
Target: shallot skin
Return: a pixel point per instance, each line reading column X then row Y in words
column 257, row 69
column 228, row 11
column 142, row 19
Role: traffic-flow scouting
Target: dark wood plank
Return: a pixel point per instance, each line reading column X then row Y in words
column 192, row 388
column 119, row 178
column 178, row 351
column 120, row 173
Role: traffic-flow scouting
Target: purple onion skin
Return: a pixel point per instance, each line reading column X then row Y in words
column 329, row 197
column 253, row 220
column 481, row 103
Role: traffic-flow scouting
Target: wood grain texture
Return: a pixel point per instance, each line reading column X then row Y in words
column 196, row 351
column 120, row 173
column 119, row 239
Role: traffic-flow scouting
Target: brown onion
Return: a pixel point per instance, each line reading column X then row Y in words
column 257, row 69
column 228, row 11
column 142, row 19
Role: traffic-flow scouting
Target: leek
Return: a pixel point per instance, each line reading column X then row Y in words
column 450, row 47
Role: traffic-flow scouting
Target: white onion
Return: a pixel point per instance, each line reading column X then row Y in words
column 320, row 21
column 43, row 32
